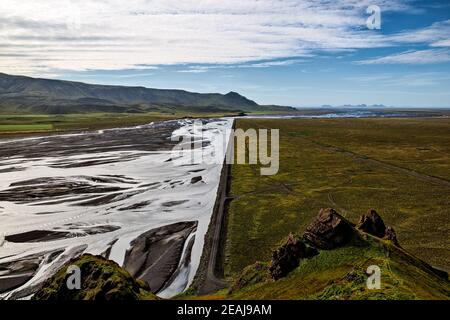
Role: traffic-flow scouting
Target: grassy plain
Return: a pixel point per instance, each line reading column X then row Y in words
column 19, row 123
column 53, row 123
column 400, row 167
column 10, row 124
column 25, row 127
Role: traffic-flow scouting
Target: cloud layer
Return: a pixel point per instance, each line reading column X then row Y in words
column 45, row 35
column 413, row 57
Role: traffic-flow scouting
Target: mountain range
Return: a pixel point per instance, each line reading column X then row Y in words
column 35, row 95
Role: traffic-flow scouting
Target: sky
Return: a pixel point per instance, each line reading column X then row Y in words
column 287, row 52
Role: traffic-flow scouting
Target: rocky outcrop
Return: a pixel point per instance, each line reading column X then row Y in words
column 101, row 279
column 287, row 257
column 329, row 230
column 391, row 236
column 372, row 223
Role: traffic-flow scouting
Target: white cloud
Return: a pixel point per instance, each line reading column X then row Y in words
column 441, row 43
column 276, row 63
column 192, row 70
column 262, row 64
column 116, row 34
column 438, row 31
column 412, row 57
column 409, row 79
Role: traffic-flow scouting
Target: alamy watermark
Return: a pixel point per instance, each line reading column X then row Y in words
column 74, row 280
column 374, row 20
column 374, row 280
column 234, row 146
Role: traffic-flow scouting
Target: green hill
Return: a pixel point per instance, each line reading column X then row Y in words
column 33, row 95
column 340, row 274
column 330, row 261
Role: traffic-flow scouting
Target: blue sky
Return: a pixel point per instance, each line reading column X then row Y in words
column 291, row 52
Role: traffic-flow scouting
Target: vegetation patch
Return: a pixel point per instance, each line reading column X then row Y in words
column 351, row 165
column 342, row 273
column 25, row 127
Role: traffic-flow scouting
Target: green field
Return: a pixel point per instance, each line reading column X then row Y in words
column 400, row 167
column 23, row 124
column 30, row 123
column 25, row 127
column 73, row 122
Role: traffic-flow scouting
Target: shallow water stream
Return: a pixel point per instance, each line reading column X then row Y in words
column 98, row 192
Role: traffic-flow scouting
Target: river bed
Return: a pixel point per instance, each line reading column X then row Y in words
column 122, row 193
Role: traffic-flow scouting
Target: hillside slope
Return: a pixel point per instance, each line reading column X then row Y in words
column 331, row 260
column 25, row 94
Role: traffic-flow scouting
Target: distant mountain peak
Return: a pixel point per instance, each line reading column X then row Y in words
column 235, row 97
column 233, row 93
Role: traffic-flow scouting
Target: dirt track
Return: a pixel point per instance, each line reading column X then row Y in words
column 209, row 276
column 212, row 281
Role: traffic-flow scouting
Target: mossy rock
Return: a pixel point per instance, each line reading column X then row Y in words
column 101, row 279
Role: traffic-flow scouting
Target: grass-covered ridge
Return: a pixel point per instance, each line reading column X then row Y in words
column 334, row 260
column 341, row 274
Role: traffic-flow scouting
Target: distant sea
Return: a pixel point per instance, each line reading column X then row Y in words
column 349, row 113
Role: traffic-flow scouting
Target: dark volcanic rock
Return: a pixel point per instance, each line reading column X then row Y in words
column 329, row 230
column 101, row 279
column 391, row 236
column 287, row 257
column 372, row 223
